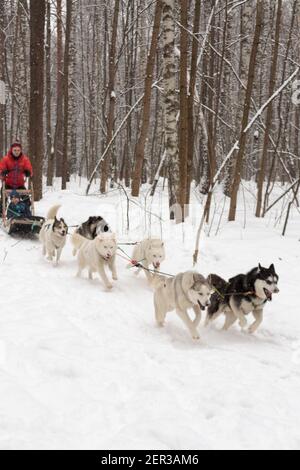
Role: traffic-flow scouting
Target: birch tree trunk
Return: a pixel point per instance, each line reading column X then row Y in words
column 191, row 97
column 171, row 107
column 183, row 119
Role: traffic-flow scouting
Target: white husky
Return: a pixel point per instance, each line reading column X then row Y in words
column 149, row 252
column 95, row 254
column 53, row 235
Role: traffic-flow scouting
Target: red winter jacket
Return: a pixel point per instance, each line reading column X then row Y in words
column 16, row 167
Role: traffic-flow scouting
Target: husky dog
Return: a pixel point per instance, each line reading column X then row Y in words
column 242, row 295
column 96, row 254
column 149, row 252
column 91, row 228
column 53, row 235
column 184, row 291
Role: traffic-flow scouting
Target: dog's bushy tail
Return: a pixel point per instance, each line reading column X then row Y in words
column 52, row 213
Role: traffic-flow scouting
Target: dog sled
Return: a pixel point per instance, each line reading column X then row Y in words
column 30, row 225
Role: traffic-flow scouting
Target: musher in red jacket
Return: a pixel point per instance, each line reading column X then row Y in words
column 15, row 167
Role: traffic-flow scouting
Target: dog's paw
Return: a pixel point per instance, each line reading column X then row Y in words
column 109, row 286
column 115, row 278
column 243, row 324
column 252, row 329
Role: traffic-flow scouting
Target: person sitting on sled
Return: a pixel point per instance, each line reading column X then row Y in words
column 15, row 167
column 17, row 208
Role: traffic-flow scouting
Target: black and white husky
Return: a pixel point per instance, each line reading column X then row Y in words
column 242, row 295
column 93, row 227
column 53, row 235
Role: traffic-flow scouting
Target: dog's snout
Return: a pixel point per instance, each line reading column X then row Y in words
column 277, row 290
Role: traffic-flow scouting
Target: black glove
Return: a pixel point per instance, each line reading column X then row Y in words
column 4, row 173
column 27, row 173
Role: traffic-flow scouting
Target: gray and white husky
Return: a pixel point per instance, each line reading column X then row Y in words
column 189, row 290
column 53, row 235
column 241, row 295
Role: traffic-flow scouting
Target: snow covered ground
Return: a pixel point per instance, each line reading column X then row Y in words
column 84, row 368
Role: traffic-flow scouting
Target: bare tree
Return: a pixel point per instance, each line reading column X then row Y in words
column 2, row 75
column 111, row 93
column 140, row 145
column 66, row 94
column 272, row 83
column 50, row 154
column 36, row 123
column 242, row 143
column 58, row 137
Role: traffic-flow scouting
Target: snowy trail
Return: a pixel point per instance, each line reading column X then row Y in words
column 84, row 368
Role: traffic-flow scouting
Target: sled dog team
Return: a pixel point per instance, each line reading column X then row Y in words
column 96, row 248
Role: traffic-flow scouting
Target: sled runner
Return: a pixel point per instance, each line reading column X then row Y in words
column 17, row 224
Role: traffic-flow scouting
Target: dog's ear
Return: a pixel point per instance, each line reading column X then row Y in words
column 209, row 281
column 188, row 281
column 98, row 241
column 272, row 268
